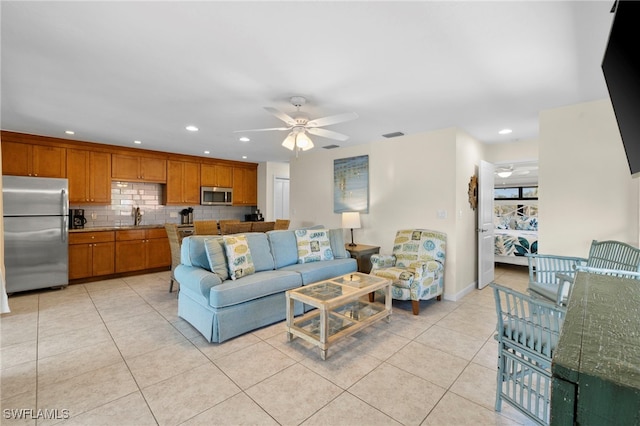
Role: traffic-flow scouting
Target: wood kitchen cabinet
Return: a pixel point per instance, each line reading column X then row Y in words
column 216, row 175
column 91, row 254
column 183, row 182
column 139, row 249
column 89, row 175
column 21, row 159
column 138, row 169
column 245, row 186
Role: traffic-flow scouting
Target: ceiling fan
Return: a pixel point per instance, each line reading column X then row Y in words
column 299, row 125
column 519, row 170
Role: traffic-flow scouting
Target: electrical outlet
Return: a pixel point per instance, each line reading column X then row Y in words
column 94, row 215
column 173, row 214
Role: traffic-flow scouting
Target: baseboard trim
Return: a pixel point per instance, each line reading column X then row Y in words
column 462, row 293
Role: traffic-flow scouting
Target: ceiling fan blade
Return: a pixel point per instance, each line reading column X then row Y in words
column 332, row 119
column 330, row 134
column 281, row 115
column 262, row 130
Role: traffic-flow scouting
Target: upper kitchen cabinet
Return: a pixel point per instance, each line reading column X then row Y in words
column 138, row 169
column 216, row 175
column 245, row 186
column 89, row 175
column 20, row 159
column 183, row 182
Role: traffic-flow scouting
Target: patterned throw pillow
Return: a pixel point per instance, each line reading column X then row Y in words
column 313, row 245
column 238, row 256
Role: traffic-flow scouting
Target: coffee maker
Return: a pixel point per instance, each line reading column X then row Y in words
column 77, row 219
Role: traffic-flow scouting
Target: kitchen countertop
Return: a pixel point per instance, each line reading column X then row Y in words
column 116, row 228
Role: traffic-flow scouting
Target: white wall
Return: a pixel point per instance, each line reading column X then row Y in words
column 469, row 152
column 267, row 172
column 411, row 180
column 518, row 151
column 586, row 191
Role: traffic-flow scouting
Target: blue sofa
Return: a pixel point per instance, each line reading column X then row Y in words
column 221, row 308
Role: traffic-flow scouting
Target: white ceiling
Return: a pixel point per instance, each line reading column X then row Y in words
column 115, row 72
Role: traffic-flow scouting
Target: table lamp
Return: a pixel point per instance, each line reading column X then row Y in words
column 351, row 220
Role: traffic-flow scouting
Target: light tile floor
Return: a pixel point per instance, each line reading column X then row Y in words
column 115, row 352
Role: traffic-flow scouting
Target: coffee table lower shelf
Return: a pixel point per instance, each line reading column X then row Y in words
column 337, row 317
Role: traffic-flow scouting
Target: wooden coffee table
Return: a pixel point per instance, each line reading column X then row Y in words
column 341, row 308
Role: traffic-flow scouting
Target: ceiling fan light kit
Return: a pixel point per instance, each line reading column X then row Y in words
column 299, row 125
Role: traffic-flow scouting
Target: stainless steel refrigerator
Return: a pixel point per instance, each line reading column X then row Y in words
column 36, row 230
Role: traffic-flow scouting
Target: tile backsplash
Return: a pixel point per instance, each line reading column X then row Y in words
column 126, row 196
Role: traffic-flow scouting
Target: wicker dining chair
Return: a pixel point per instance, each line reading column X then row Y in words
column 205, row 227
column 282, row 224
column 235, row 228
column 262, row 226
column 224, row 222
column 174, row 244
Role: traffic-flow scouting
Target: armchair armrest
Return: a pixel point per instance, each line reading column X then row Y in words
column 379, row 261
column 565, row 281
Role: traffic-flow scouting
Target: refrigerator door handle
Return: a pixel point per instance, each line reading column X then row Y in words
column 65, row 215
column 65, row 203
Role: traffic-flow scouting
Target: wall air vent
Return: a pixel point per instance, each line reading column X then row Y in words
column 331, row 146
column 393, row 135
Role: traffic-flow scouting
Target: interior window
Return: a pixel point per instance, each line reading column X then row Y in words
column 516, row 193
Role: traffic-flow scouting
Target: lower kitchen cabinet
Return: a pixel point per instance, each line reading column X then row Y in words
column 139, row 249
column 91, row 254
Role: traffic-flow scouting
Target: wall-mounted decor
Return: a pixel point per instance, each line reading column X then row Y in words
column 351, row 184
column 473, row 192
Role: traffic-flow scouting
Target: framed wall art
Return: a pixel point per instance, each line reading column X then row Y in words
column 351, row 184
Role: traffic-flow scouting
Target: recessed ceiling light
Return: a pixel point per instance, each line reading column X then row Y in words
column 244, row 139
column 192, row 128
column 70, row 132
column 137, row 142
column 505, row 131
column 244, row 157
column 207, row 152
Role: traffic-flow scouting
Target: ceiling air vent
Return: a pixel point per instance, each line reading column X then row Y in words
column 331, row 146
column 393, row 135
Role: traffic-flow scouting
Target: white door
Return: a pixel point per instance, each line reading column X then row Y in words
column 486, row 242
column 281, row 198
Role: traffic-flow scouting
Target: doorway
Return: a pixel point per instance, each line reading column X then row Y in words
column 280, row 198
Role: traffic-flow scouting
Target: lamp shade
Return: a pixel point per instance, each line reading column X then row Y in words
column 290, row 142
column 351, row 220
column 297, row 141
column 303, row 142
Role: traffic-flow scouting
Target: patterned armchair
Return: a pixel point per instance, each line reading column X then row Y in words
column 416, row 266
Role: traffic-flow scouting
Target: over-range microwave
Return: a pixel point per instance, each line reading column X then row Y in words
column 216, row 196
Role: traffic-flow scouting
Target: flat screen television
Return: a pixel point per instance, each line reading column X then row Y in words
column 621, row 69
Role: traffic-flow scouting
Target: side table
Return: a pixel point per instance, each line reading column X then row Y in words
column 362, row 254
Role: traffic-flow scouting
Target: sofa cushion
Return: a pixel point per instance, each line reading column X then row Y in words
column 253, row 287
column 260, row 251
column 313, row 245
column 216, row 256
column 193, row 253
column 318, row 271
column 283, row 247
column 238, row 256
